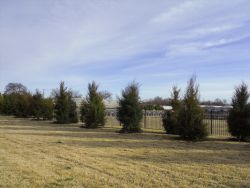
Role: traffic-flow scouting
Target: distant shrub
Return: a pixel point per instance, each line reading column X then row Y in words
column 73, row 115
column 93, row 108
column 239, row 116
column 47, row 109
column 22, row 105
column 8, row 104
column 170, row 118
column 36, row 106
column 190, row 116
column 130, row 110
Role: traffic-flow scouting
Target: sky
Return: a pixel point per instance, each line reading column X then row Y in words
column 157, row 43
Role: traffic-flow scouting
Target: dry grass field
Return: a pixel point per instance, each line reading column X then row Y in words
column 41, row 154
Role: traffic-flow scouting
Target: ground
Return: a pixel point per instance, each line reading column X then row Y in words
column 42, row 154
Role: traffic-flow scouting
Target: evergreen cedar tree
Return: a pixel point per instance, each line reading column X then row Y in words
column 130, row 110
column 93, row 108
column 190, row 116
column 170, row 118
column 239, row 116
column 65, row 107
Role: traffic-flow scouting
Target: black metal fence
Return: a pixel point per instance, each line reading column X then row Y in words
column 216, row 121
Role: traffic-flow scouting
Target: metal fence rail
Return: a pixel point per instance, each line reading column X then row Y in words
column 216, row 121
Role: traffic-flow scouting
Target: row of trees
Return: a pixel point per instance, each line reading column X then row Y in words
column 186, row 118
column 17, row 101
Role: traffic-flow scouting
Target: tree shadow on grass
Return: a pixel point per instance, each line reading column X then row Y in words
column 106, row 138
column 109, row 138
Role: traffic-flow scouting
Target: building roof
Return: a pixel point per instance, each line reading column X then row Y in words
column 78, row 101
column 167, row 107
column 107, row 103
column 111, row 104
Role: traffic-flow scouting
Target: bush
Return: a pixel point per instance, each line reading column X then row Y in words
column 8, row 104
column 190, row 116
column 130, row 110
column 22, row 105
column 47, row 109
column 36, row 106
column 169, row 118
column 93, row 108
column 239, row 116
column 73, row 116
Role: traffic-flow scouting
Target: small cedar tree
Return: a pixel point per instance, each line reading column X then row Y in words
column 93, row 108
column 239, row 116
column 190, row 116
column 130, row 109
column 169, row 119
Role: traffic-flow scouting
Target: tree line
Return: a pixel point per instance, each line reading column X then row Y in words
column 185, row 119
column 19, row 102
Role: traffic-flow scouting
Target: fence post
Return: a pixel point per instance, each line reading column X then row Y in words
column 145, row 119
column 211, row 122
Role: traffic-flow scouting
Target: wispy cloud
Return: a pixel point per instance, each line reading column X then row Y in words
column 43, row 42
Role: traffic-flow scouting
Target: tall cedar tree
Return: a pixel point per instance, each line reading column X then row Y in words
column 239, row 116
column 65, row 107
column 62, row 105
column 130, row 110
column 93, row 108
column 190, row 116
column 170, row 117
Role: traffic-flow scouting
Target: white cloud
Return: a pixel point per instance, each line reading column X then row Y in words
column 46, row 38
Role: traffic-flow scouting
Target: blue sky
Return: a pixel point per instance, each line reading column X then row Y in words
column 157, row 43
